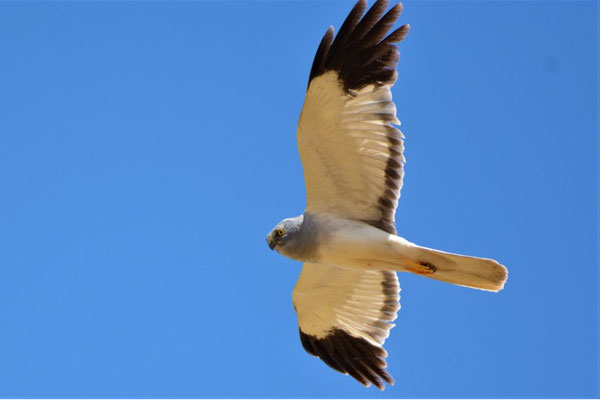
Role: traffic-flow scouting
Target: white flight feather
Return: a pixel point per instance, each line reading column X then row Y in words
column 343, row 143
column 328, row 297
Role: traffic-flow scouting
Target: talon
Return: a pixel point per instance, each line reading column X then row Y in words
column 422, row 268
column 430, row 266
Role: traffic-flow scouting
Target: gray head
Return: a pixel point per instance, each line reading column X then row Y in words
column 285, row 233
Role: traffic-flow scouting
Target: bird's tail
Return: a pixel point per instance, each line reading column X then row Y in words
column 478, row 273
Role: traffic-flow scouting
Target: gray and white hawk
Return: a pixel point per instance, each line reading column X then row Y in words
column 347, row 295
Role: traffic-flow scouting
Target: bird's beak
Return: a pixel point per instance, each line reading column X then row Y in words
column 271, row 243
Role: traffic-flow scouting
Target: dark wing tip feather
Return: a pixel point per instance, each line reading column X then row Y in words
column 382, row 26
column 359, row 52
column 369, row 20
column 322, row 51
column 398, row 35
column 350, row 355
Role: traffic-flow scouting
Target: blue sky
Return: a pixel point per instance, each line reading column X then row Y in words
column 146, row 149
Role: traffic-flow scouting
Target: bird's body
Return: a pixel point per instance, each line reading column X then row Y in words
column 347, row 295
column 329, row 240
column 345, row 243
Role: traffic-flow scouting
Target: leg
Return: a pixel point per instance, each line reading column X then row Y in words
column 421, row 268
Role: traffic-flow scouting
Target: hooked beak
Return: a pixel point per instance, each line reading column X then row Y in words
column 271, row 243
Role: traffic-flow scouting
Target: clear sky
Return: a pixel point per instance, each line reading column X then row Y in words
column 146, row 149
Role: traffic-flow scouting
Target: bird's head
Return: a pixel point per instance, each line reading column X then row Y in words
column 283, row 233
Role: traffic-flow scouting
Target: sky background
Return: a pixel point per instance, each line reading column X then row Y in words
column 146, row 149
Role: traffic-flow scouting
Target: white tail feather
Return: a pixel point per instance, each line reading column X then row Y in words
column 473, row 272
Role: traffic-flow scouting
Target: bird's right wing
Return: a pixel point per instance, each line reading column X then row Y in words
column 345, row 316
column 352, row 153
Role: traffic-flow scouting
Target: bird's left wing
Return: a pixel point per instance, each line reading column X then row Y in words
column 345, row 316
column 352, row 153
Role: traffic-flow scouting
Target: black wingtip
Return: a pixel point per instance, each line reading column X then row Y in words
column 399, row 34
column 350, row 355
column 360, row 52
column 323, row 49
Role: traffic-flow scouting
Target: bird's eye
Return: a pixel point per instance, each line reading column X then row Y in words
column 281, row 232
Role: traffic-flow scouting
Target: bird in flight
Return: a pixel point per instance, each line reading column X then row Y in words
column 347, row 295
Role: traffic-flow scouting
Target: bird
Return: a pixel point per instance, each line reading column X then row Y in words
column 347, row 295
